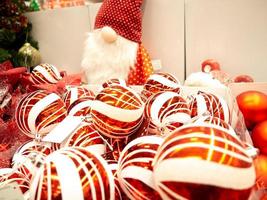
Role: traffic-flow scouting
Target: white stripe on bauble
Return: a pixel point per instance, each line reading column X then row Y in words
column 45, row 73
column 201, row 105
column 80, row 106
column 180, row 117
column 225, row 109
column 73, row 94
column 55, row 71
column 164, row 81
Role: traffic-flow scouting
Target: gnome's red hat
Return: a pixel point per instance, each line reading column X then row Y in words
column 123, row 16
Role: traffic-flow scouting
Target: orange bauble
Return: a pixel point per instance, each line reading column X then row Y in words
column 253, row 105
column 259, row 136
column 261, row 172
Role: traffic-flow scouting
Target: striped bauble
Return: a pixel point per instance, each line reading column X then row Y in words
column 73, row 173
column 203, row 162
column 81, row 107
column 114, row 81
column 45, row 73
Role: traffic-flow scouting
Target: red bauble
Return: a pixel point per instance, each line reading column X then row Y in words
column 39, row 112
column 261, row 171
column 210, row 65
column 45, row 73
column 253, row 105
column 203, row 162
column 117, row 111
column 159, row 82
column 114, row 81
column 135, row 168
column 259, row 137
column 81, row 107
column 243, row 79
column 73, row 173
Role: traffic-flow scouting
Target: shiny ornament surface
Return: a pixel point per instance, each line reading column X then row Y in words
column 203, row 162
column 243, row 79
column 253, row 105
column 45, row 73
column 81, row 107
column 39, row 112
column 261, row 171
column 210, row 65
column 259, row 136
column 135, row 172
column 88, row 137
column 206, row 103
column 74, row 93
column 161, row 81
column 114, row 81
column 117, row 111
column 29, row 56
column 166, row 111
column 73, row 173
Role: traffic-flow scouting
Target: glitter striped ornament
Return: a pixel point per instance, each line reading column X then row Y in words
column 166, row 111
column 161, row 81
column 203, row 162
column 203, row 103
column 135, row 168
column 81, row 107
column 74, row 93
column 39, row 112
column 9, row 175
column 88, row 137
column 45, row 73
column 114, row 81
column 117, row 111
column 73, row 173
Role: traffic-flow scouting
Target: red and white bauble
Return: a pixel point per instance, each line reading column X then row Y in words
column 114, row 81
column 161, row 81
column 206, row 103
column 74, row 93
column 39, row 112
column 88, row 137
column 73, row 173
column 117, row 111
column 135, row 172
column 45, row 73
column 8, row 176
column 81, row 107
column 166, row 111
column 203, row 162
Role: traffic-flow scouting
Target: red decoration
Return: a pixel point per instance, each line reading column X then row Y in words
column 45, row 73
column 243, row 78
column 253, row 105
column 114, row 81
column 39, row 112
column 261, row 171
column 203, row 162
column 135, row 168
column 159, row 82
column 81, row 107
column 210, row 65
column 259, row 136
column 117, row 111
column 73, row 173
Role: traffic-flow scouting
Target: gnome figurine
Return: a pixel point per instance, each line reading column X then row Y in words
column 114, row 48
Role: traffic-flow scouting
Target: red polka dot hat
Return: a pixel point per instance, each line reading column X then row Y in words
column 124, row 16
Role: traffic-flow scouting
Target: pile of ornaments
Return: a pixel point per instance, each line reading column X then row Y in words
column 152, row 144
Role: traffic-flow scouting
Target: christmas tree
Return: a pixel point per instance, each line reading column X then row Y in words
column 14, row 30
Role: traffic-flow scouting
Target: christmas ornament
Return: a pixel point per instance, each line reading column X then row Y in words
column 86, row 136
column 45, row 73
column 259, row 136
column 117, row 111
column 187, row 164
column 161, row 81
column 74, row 93
column 221, row 76
column 29, row 56
column 203, row 103
column 34, row 5
column 113, row 81
column 39, row 112
column 8, row 176
column 243, row 79
column 81, row 107
column 166, row 111
column 73, row 173
column 261, row 171
column 210, row 65
column 253, row 105
column 135, row 168
column 116, row 145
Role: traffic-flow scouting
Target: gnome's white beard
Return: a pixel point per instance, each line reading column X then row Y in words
column 103, row 61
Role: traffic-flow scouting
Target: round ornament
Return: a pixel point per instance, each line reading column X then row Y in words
column 159, row 82
column 243, row 79
column 81, row 107
column 166, row 111
column 261, row 171
column 29, row 56
column 39, row 112
column 73, row 173
column 205, row 103
column 117, row 111
column 210, row 65
column 259, row 136
column 74, row 93
column 45, row 73
column 253, row 105
column 86, row 136
column 203, row 162
column 135, row 172
column 114, row 81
